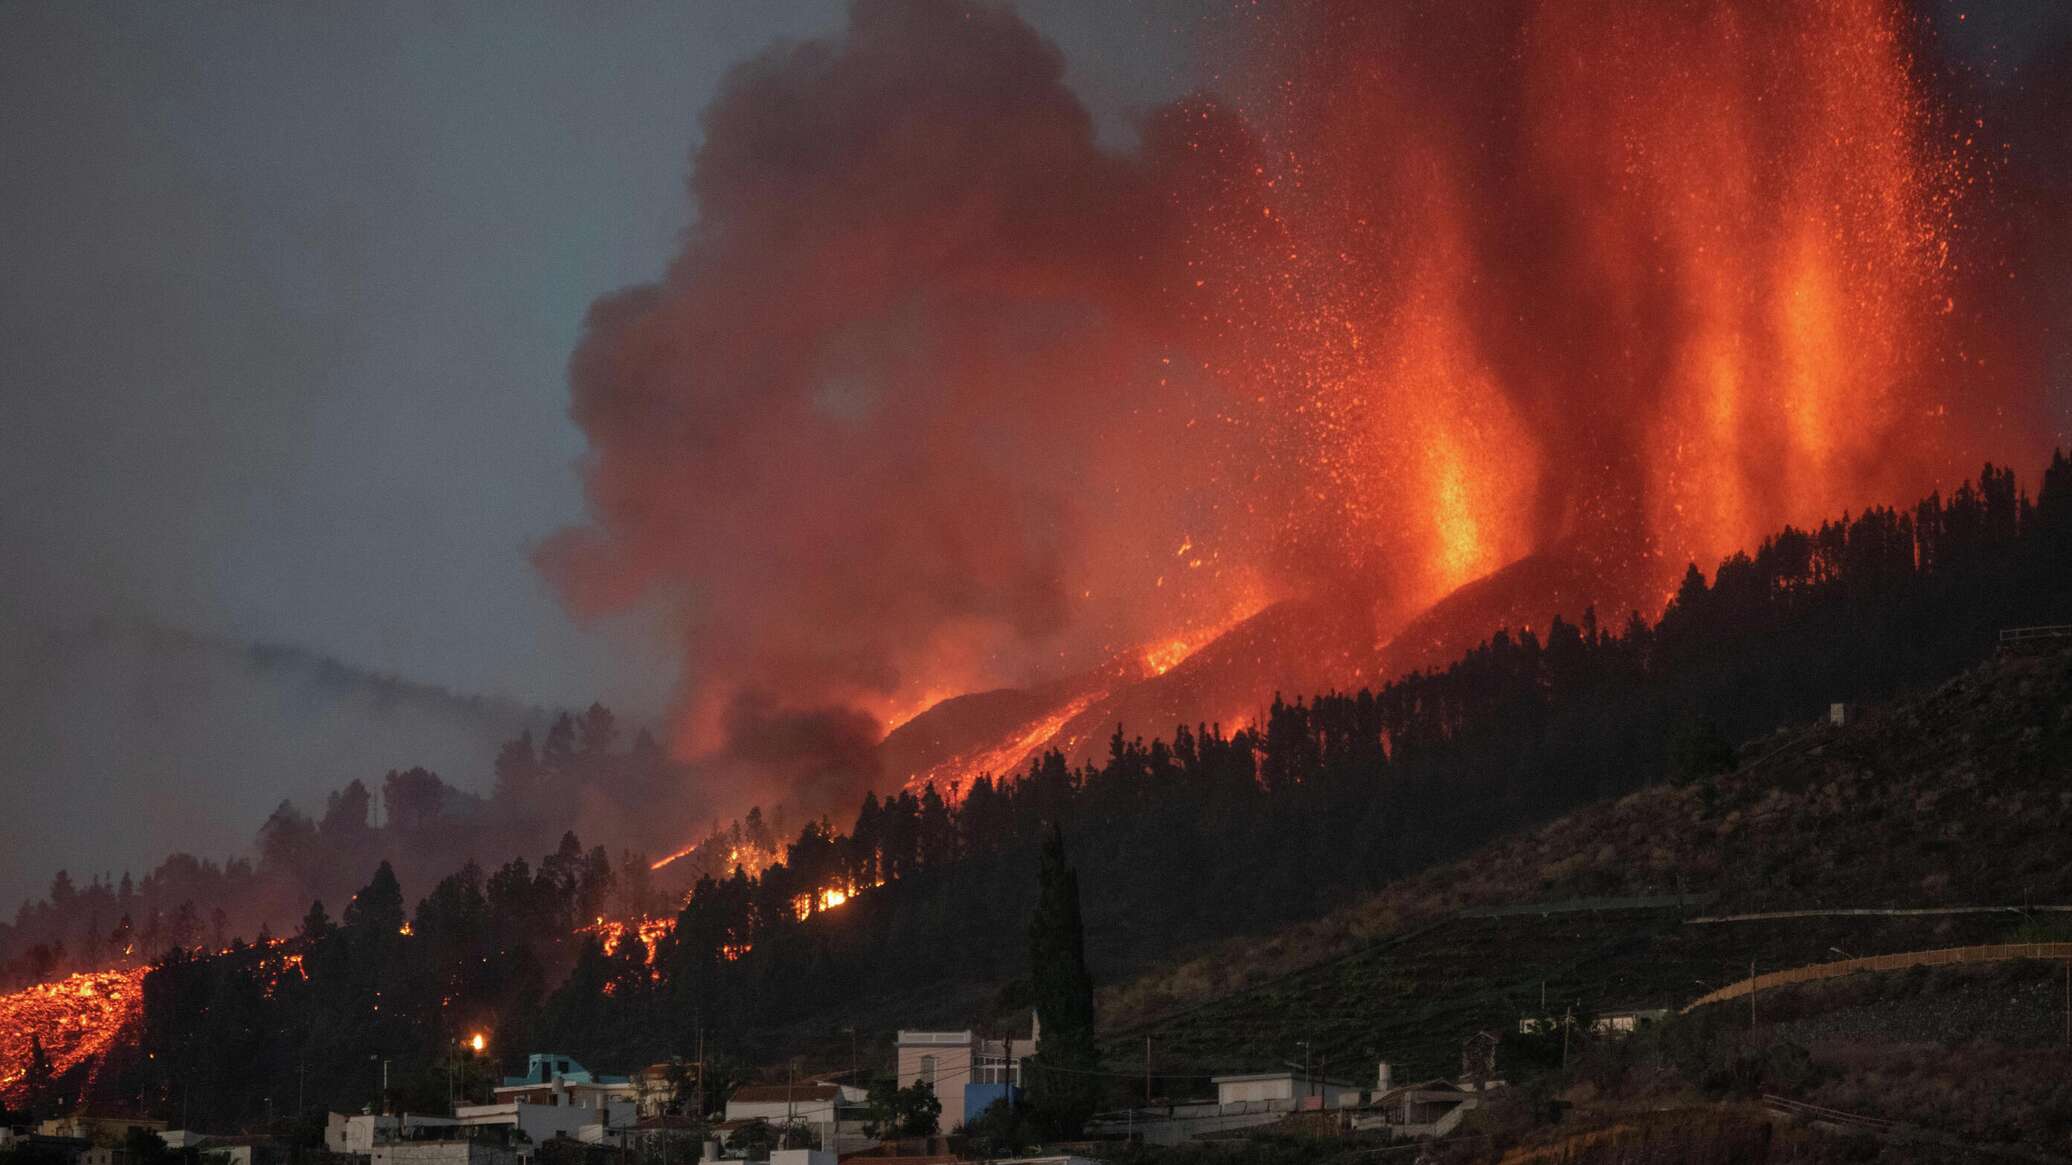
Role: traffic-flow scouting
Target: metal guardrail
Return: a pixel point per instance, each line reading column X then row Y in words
column 1875, row 912
column 2050, row 636
column 1589, row 905
column 1819, row 1112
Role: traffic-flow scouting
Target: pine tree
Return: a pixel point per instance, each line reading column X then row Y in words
column 1062, row 1075
column 316, row 924
column 378, row 907
column 37, row 1083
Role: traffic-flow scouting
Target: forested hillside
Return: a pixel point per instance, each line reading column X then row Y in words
column 914, row 914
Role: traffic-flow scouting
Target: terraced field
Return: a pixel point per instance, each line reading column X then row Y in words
column 1411, row 999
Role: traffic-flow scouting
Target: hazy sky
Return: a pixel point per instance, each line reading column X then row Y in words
column 287, row 293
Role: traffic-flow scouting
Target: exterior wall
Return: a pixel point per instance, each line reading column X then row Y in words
column 1288, row 1089
column 543, row 1122
column 950, row 1054
column 109, row 1131
column 359, row 1132
column 652, row 1090
column 801, row 1157
column 1248, row 1091
column 442, row 1153
column 578, row 1093
column 356, row 1133
column 812, row 1112
column 979, row 1097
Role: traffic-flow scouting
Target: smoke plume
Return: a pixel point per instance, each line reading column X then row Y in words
column 942, row 394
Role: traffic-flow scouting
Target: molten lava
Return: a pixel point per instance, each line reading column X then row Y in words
column 77, row 1017
column 1420, row 294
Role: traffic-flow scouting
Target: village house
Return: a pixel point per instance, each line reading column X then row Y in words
column 655, row 1088
column 358, row 1133
column 1428, row 1108
column 443, row 1151
column 556, row 1097
column 98, row 1128
column 1243, row 1101
column 832, row 1113
column 1614, row 1021
column 967, row 1072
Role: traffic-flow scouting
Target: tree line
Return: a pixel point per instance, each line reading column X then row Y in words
column 1188, row 838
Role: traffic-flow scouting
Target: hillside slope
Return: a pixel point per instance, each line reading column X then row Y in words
column 1956, row 797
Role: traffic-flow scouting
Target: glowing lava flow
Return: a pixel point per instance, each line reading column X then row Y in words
column 651, row 931
column 957, row 773
column 77, row 1018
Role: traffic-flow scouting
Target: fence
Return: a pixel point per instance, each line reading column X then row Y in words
column 1948, row 956
column 2044, row 638
column 1892, row 912
column 1587, row 905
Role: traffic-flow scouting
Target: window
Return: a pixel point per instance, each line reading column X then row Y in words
column 928, row 1070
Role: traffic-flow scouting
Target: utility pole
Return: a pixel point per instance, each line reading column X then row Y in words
column 1147, row 1071
column 1751, row 994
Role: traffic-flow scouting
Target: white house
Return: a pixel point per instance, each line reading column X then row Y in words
column 358, row 1133
column 557, row 1097
column 544, row 1122
column 556, row 1079
column 1243, row 1101
column 814, row 1104
column 445, row 1152
column 1283, row 1092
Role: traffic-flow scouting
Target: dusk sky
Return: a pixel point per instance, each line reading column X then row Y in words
column 288, row 298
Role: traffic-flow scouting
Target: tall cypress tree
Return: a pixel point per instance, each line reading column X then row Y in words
column 1062, row 1077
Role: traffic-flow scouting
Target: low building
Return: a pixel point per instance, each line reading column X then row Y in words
column 556, row 1079
column 450, row 1151
column 41, row 1147
column 98, row 1128
column 678, row 1137
column 656, row 1088
column 1428, row 1108
column 1288, row 1091
column 824, row 1109
column 358, row 1133
column 1243, row 1101
column 1624, row 1021
column 540, row 1123
column 556, row 1097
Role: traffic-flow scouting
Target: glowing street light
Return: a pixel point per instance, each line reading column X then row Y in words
column 477, row 1042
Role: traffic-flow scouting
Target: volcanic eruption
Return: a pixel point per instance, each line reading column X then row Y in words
column 1528, row 303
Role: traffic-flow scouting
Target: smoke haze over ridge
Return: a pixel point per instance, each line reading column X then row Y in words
column 944, row 391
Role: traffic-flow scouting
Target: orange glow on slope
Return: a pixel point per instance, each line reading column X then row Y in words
column 957, row 773
column 1163, row 655
column 612, row 933
column 77, row 1018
